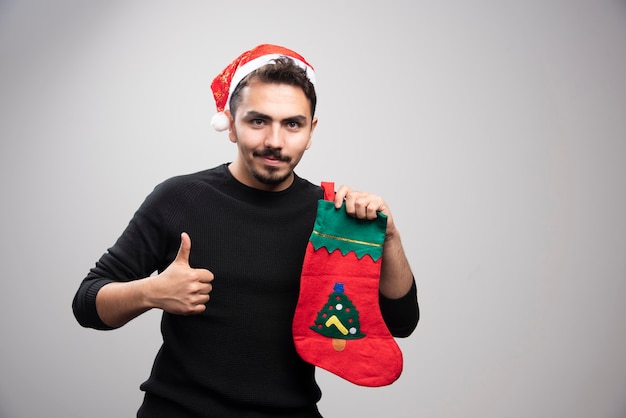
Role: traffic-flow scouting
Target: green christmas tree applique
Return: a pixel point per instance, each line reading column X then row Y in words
column 338, row 319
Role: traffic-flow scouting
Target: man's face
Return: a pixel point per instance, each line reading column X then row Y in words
column 272, row 128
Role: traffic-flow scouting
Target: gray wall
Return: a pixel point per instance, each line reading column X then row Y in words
column 496, row 131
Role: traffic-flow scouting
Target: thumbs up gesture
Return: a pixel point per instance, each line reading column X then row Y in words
column 181, row 289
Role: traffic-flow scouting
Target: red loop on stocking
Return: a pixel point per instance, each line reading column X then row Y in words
column 329, row 190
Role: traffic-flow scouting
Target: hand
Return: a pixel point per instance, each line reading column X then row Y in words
column 364, row 205
column 396, row 277
column 181, row 289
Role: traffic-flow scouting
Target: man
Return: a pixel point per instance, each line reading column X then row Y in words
column 228, row 245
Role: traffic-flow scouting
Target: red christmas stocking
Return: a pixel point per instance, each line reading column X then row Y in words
column 337, row 324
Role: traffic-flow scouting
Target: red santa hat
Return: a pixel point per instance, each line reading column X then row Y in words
column 225, row 83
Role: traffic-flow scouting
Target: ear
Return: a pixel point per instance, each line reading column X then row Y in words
column 231, row 130
column 313, row 125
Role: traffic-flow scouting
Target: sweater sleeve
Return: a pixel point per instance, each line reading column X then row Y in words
column 137, row 253
column 401, row 315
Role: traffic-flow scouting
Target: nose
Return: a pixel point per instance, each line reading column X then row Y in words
column 274, row 137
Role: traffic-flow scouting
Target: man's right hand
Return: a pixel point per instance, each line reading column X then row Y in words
column 180, row 289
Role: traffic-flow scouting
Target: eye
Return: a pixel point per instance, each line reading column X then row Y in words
column 257, row 122
column 293, row 125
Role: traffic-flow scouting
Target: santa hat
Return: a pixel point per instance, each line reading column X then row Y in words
column 225, row 83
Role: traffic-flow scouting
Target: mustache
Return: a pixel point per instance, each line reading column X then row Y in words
column 272, row 153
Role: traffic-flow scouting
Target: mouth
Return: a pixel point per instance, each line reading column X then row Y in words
column 272, row 157
column 272, row 161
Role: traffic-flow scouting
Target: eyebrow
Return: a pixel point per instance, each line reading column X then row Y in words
column 258, row 115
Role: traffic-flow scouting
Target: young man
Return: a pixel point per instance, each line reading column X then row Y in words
column 228, row 244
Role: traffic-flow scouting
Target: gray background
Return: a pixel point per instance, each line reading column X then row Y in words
column 496, row 131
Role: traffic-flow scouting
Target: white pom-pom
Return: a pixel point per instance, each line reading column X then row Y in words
column 220, row 122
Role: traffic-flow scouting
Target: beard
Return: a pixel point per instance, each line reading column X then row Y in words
column 271, row 176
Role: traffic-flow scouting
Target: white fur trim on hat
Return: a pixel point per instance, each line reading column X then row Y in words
column 258, row 62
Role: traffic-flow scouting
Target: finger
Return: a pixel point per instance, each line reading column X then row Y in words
column 340, row 196
column 375, row 205
column 200, row 301
column 360, row 207
column 372, row 212
column 350, row 203
column 205, row 289
column 185, row 249
column 366, row 205
column 206, row 276
column 198, row 309
column 356, row 204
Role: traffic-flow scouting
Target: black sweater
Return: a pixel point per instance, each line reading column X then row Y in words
column 237, row 358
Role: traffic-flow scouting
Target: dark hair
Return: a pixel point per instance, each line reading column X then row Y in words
column 282, row 70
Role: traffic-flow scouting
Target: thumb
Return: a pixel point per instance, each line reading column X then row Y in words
column 185, row 249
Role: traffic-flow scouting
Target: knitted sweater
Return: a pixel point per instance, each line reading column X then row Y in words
column 237, row 358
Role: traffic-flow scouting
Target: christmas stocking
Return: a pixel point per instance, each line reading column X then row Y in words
column 337, row 324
